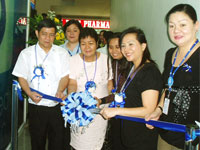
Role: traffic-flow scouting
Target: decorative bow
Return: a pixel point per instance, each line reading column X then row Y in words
column 76, row 109
column 187, row 68
column 39, row 72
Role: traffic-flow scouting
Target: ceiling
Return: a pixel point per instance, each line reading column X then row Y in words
column 91, row 9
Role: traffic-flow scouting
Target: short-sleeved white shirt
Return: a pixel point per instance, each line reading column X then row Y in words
column 56, row 66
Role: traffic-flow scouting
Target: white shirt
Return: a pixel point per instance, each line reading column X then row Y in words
column 103, row 50
column 55, row 64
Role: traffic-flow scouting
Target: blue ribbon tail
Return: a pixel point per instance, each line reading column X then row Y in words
column 43, row 77
column 19, row 90
column 33, row 77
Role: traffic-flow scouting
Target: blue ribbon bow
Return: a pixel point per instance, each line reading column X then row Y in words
column 114, row 103
column 187, row 68
column 39, row 68
column 76, row 109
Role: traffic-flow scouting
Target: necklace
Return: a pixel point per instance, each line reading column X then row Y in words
column 90, row 84
column 171, row 75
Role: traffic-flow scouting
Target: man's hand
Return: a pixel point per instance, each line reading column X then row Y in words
column 60, row 94
column 35, row 97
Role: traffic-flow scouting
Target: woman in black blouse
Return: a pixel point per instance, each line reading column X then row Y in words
column 142, row 90
column 180, row 99
column 119, row 66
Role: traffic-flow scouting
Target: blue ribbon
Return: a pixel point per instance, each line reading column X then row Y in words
column 19, row 90
column 47, row 96
column 165, row 125
column 80, row 109
column 77, row 106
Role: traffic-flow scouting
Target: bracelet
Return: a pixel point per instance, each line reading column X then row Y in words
column 160, row 108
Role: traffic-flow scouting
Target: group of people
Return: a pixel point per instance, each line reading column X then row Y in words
column 126, row 75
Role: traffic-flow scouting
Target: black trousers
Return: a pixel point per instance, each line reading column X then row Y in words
column 116, row 134
column 47, row 122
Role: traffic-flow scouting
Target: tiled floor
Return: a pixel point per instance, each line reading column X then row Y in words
column 24, row 142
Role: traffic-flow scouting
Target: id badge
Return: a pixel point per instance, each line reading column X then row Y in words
column 118, row 98
column 166, row 106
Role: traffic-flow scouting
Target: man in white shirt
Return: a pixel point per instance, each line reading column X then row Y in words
column 44, row 67
column 106, row 35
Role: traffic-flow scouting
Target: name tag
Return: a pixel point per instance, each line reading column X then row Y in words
column 118, row 98
column 166, row 106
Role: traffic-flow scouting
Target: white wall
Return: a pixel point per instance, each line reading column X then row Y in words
column 149, row 16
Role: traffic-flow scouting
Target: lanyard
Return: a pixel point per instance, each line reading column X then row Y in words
column 85, row 67
column 116, row 78
column 171, row 75
column 36, row 57
column 77, row 51
column 39, row 70
column 119, row 97
column 123, row 86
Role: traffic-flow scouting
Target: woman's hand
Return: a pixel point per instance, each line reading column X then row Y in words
column 153, row 116
column 98, row 101
column 108, row 113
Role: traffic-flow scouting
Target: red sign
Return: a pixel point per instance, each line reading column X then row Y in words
column 97, row 24
column 22, row 21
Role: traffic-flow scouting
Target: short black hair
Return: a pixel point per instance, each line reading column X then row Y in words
column 86, row 32
column 76, row 22
column 48, row 23
column 186, row 8
column 107, row 35
column 102, row 31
